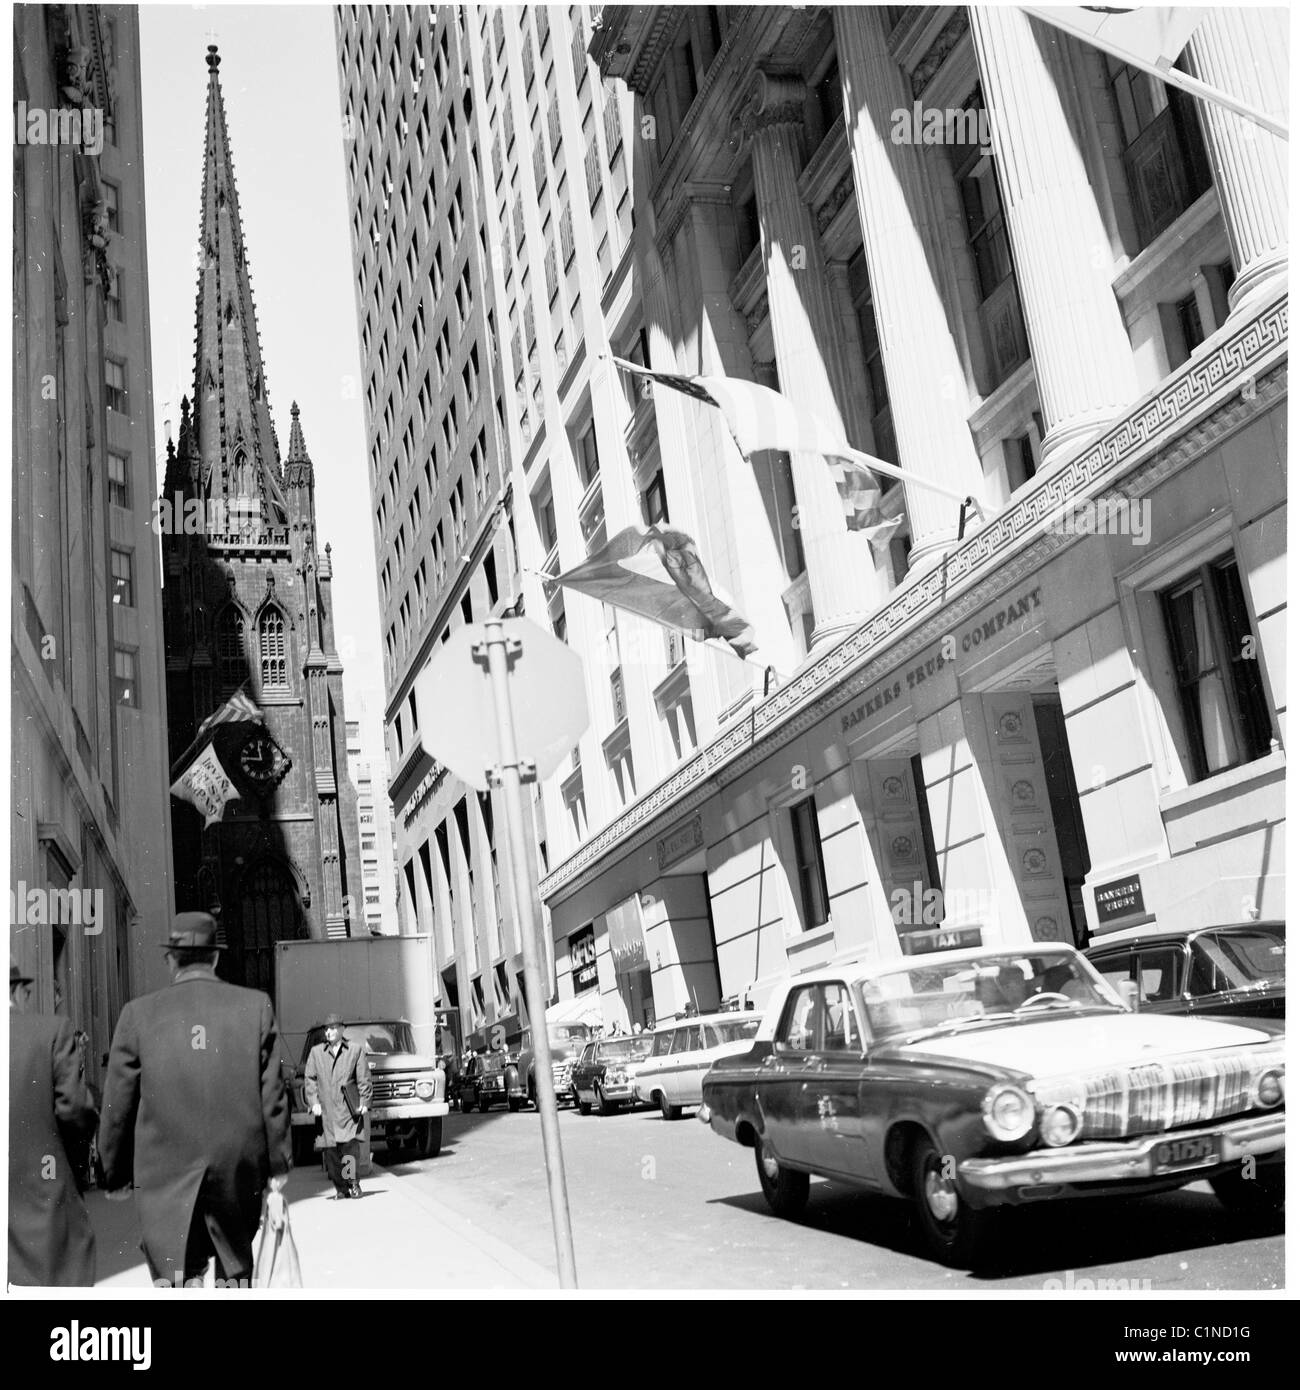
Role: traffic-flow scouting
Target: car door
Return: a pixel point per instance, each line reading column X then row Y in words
column 700, row 1060
column 786, row 1072
column 1161, row 974
column 652, row 1075
column 685, row 1058
column 584, row 1071
column 830, row 1098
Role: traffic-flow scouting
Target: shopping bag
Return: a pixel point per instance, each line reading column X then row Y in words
column 277, row 1264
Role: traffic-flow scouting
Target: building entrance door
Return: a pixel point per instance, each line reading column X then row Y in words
column 1063, row 795
column 268, row 912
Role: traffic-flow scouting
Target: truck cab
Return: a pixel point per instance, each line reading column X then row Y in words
column 409, row 1089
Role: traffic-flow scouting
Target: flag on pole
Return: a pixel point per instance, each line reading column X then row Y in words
column 760, row 418
column 1150, row 36
column 206, row 785
column 658, row 574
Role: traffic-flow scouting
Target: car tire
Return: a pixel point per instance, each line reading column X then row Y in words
column 785, row 1189
column 1262, row 1195
column 957, row 1234
column 667, row 1109
column 484, row 1104
column 513, row 1103
column 584, row 1106
column 428, row 1137
column 603, row 1103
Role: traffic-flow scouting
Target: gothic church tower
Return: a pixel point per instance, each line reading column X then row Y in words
column 247, row 605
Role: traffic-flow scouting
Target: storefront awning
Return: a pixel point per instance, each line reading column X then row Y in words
column 582, row 1008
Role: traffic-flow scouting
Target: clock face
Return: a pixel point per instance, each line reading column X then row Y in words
column 260, row 759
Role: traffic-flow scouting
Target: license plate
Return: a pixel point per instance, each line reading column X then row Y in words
column 1174, row 1155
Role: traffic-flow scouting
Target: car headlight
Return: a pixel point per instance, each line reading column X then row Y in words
column 1008, row 1112
column 1269, row 1089
column 425, row 1089
column 616, row 1078
column 1060, row 1125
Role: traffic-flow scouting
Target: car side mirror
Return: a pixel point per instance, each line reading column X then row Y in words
column 1131, row 995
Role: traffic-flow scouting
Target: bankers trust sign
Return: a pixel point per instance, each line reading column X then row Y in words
column 967, row 640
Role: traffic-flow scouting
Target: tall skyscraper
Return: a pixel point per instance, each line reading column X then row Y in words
column 90, row 834
column 378, row 905
column 248, row 606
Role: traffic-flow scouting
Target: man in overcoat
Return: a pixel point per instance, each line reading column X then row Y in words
column 195, row 1113
column 338, row 1087
column 51, row 1242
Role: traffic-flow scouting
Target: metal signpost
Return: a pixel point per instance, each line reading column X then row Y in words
column 483, row 753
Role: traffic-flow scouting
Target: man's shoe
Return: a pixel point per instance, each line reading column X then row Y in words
column 355, row 1190
column 339, row 1196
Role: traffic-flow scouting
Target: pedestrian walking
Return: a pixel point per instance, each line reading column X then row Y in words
column 195, row 1113
column 51, row 1242
column 338, row 1090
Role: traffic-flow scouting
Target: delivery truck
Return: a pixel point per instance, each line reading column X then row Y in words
column 383, row 986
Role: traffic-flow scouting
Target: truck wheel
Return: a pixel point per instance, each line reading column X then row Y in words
column 786, row 1190
column 428, row 1137
column 956, row 1233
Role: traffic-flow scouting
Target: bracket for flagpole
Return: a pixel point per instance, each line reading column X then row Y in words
column 769, row 675
column 527, row 772
column 961, row 518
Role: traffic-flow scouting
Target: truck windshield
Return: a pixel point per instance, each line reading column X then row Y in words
column 379, row 1039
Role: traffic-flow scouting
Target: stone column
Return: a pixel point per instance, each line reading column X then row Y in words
column 1245, row 51
column 1082, row 356
column 901, row 236
column 841, row 573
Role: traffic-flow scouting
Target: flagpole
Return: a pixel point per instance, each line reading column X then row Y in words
column 890, row 470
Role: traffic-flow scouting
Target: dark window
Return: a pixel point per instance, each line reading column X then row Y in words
column 1165, row 163
column 809, row 868
column 119, row 479
column 126, row 677
column 748, row 228
column 1216, row 661
column 655, row 500
column 588, row 459
column 830, row 96
column 123, row 574
column 1189, row 323
column 882, row 419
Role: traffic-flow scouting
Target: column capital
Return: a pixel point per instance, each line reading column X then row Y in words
column 770, row 99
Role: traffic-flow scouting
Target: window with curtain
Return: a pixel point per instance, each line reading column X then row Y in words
column 271, row 650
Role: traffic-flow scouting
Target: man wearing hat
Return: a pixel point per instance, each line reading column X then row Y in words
column 338, row 1087
column 50, row 1110
column 195, row 1113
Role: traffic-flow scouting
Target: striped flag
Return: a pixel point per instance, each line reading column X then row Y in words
column 658, row 574
column 1152, row 36
column 760, row 418
column 239, row 709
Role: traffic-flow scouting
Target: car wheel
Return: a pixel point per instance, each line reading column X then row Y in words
column 484, row 1104
column 513, row 1103
column 605, row 1105
column 428, row 1137
column 956, row 1233
column 1261, row 1195
column 786, row 1190
column 584, row 1106
column 667, row 1109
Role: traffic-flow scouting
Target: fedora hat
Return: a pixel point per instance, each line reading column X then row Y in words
column 333, row 1021
column 193, row 931
column 16, row 977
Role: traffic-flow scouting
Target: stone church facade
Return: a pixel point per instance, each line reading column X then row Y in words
column 248, row 607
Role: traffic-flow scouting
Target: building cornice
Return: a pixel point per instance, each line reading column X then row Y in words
column 1209, row 397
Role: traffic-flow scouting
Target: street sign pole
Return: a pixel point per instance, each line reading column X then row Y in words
column 496, row 650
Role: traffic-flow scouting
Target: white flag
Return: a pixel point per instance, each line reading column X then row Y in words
column 1150, row 36
column 206, row 785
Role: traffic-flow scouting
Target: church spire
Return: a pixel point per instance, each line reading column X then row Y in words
column 236, row 444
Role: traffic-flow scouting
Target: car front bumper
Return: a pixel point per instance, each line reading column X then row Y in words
column 1098, row 1168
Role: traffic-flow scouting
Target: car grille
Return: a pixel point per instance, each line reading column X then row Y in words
column 1126, row 1101
column 402, row 1088
column 560, row 1072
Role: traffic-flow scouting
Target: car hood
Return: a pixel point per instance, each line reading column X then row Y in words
column 1059, row 1046
column 399, row 1061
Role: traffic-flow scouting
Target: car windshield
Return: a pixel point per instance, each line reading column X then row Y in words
column 952, row 994
column 737, row 1032
column 1240, row 959
column 567, row 1039
column 625, row 1049
column 495, row 1061
column 378, row 1038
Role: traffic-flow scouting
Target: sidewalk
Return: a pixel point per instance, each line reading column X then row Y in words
column 395, row 1237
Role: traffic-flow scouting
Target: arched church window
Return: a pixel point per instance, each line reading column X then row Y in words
column 231, row 660
column 270, row 636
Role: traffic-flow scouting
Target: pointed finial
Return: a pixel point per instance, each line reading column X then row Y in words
column 293, row 410
column 214, row 58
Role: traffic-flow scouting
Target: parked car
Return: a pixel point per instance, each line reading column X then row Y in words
column 1237, row 969
column 681, row 1053
column 603, row 1076
column 484, row 1083
column 566, row 1042
column 971, row 1080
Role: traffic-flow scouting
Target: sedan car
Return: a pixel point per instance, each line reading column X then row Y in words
column 1238, row 969
column 971, row 1080
column 603, row 1075
column 485, row 1081
column 681, row 1054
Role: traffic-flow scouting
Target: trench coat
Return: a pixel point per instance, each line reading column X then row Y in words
column 196, row 1115
column 51, row 1242
column 324, row 1080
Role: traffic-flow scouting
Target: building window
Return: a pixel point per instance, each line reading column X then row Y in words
column 271, row 649
column 1189, row 324
column 115, row 386
column 809, row 867
column 231, row 664
column 1216, row 663
column 986, row 234
column 123, row 575
column 113, row 297
column 586, row 455
column 882, row 419
column 1165, row 163
column 655, row 500
column 111, row 204
column 119, row 479
column 575, row 803
column 126, row 677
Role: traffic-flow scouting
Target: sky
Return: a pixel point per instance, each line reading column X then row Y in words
column 279, row 79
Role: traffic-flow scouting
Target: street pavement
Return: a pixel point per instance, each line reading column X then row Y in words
column 670, row 1206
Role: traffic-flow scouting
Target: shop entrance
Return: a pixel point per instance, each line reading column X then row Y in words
column 1063, row 796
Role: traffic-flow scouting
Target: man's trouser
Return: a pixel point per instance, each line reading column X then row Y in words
column 199, row 1249
column 342, row 1172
